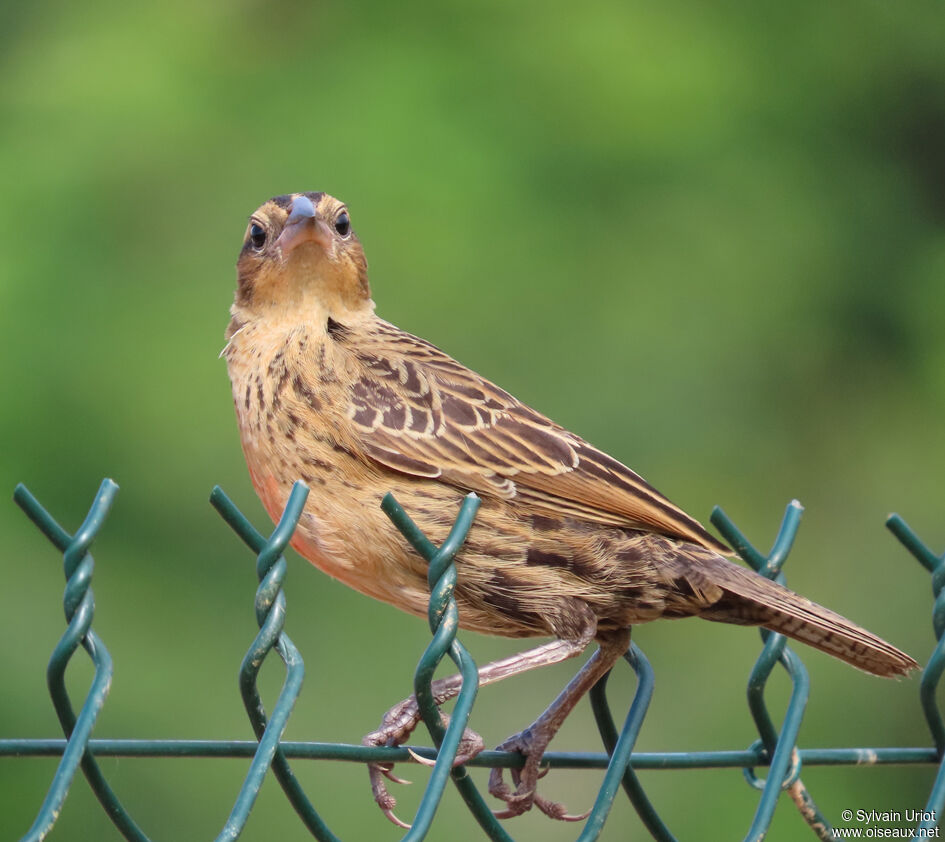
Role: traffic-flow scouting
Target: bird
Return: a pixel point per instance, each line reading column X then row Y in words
column 568, row 544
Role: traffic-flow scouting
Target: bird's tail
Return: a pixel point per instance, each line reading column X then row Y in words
column 750, row 599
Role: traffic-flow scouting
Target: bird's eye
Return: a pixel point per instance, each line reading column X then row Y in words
column 257, row 235
column 343, row 224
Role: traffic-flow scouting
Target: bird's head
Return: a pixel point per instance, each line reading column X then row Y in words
column 301, row 255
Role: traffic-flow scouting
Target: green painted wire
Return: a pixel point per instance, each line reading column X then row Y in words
column 79, row 608
column 357, row 753
column 785, row 764
column 619, row 749
column 268, row 560
column 932, row 674
column 270, row 616
column 270, row 607
column 444, row 623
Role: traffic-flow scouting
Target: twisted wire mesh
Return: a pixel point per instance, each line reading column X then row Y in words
column 775, row 749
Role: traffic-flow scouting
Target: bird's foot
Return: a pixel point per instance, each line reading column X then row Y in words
column 532, row 744
column 396, row 726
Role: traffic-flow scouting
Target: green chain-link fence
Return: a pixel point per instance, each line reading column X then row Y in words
column 774, row 749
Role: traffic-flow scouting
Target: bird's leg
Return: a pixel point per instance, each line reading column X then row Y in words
column 533, row 741
column 399, row 722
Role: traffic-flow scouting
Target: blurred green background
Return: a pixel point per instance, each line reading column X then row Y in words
column 710, row 240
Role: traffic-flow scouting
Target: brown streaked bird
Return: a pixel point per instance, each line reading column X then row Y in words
column 569, row 543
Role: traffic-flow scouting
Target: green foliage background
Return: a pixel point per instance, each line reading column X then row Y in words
column 710, row 239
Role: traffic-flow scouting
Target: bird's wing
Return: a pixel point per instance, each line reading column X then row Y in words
column 420, row 412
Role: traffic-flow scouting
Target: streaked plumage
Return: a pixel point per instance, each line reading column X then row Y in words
column 569, row 542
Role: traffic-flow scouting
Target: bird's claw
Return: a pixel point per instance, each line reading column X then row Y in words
column 525, row 795
column 396, row 726
column 557, row 811
column 382, row 797
column 423, row 761
column 393, row 818
column 388, row 772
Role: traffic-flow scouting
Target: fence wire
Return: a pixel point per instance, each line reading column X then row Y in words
column 774, row 749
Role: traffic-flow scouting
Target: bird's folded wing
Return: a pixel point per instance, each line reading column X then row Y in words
column 420, row 412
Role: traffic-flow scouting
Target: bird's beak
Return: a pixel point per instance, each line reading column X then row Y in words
column 303, row 226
